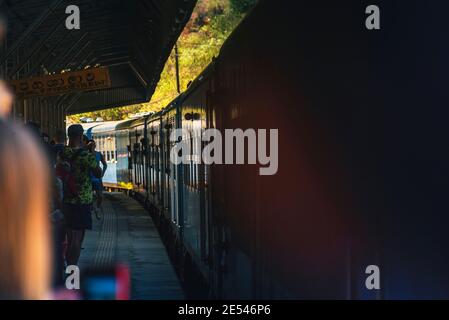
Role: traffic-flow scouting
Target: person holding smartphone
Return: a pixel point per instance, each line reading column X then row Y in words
column 97, row 183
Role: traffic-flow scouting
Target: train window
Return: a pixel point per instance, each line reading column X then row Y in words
column 106, row 145
column 114, row 149
column 111, row 155
column 190, row 174
column 192, row 164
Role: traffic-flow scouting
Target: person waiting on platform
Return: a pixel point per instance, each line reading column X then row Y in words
column 75, row 169
column 59, row 139
column 85, row 141
column 97, row 183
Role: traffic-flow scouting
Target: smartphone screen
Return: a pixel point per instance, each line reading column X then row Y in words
column 108, row 283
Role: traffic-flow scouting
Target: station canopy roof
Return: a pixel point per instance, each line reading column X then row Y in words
column 133, row 38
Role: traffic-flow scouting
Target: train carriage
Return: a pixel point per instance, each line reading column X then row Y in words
column 344, row 194
column 194, row 189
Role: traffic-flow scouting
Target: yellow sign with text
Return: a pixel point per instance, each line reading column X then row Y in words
column 64, row 83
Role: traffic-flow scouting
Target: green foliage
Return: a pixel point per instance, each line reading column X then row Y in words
column 210, row 25
column 108, row 114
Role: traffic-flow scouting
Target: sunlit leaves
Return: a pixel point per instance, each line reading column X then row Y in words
column 210, row 25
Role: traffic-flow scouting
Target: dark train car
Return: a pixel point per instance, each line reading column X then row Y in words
column 279, row 236
column 168, row 209
column 361, row 180
column 195, row 185
column 361, row 176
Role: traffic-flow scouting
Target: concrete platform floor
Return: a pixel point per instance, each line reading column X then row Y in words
column 126, row 234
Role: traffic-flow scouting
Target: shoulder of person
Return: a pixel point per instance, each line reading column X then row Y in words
column 58, row 147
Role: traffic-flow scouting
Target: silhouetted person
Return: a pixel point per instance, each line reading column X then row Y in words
column 25, row 249
column 60, row 142
column 97, row 183
column 75, row 169
column 5, row 98
column 85, row 140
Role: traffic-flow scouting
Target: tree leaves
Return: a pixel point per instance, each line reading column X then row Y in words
column 210, row 25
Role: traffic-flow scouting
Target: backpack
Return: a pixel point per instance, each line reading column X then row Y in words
column 65, row 171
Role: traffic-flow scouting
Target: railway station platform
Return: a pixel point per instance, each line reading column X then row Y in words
column 126, row 234
column 307, row 160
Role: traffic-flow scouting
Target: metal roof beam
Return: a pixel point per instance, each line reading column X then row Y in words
column 33, row 51
column 37, row 63
column 59, row 61
column 29, row 31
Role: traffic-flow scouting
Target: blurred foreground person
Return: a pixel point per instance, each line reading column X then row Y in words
column 25, row 258
column 5, row 100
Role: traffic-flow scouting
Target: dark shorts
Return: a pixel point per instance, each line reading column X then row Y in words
column 97, row 185
column 78, row 216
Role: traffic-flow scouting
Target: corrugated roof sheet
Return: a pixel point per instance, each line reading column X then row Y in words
column 132, row 37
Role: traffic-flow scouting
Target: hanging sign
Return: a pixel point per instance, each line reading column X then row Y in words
column 64, row 83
